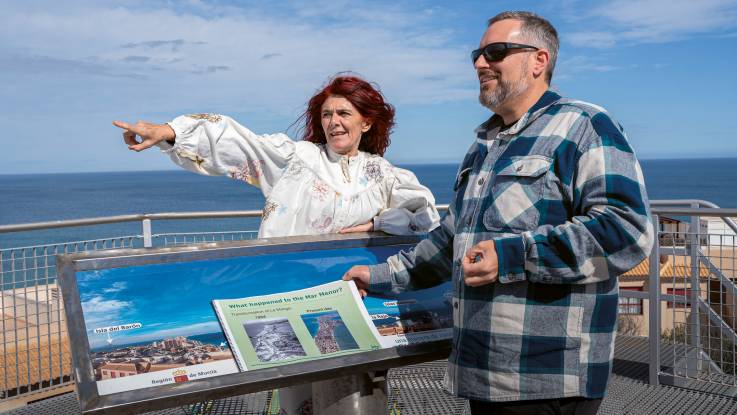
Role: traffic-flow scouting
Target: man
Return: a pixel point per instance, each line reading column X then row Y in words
column 550, row 207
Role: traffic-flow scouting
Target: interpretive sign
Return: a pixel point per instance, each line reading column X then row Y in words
column 143, row 325
column 317, row 322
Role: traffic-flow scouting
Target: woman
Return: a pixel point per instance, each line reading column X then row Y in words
column 334, row 180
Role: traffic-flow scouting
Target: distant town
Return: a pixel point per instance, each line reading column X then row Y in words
column 158, row 355
column 416, row 321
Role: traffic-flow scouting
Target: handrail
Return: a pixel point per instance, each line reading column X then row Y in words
column 660, row 207
column 657, row 207
column 139, row 217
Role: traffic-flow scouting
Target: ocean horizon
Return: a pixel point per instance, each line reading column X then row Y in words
column 46, row 197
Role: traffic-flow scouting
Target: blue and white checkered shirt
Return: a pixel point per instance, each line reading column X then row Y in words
column 562, row 195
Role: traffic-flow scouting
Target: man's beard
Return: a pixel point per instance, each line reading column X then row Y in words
column 505, row 90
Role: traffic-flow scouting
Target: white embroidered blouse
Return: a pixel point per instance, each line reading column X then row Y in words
column 309, row 189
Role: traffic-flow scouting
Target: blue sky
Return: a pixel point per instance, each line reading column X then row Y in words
column 664, row 69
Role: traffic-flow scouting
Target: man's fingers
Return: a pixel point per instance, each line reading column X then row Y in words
column 475, row 281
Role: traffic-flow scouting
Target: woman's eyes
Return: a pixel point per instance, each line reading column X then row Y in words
column 343, row 114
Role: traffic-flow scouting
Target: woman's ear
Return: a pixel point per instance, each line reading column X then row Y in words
column 365, row 126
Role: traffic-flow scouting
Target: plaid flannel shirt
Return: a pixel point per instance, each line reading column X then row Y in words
column 562, row 195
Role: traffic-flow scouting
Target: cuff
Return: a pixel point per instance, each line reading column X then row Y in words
column 381, row 278
column 511, row 255
column 394, row 222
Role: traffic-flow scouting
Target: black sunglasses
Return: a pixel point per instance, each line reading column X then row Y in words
column 497, row 51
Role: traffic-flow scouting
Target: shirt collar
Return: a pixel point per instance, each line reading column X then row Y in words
column 335, row 157
column 495, row 123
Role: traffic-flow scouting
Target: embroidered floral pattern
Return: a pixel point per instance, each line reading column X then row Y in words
column 269, row 208
column 373, row 171
column 320, row 190
column 205, row 116
column 249, row 172
column 322, row 225
column 294, row 170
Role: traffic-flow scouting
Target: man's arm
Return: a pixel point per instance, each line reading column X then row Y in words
column 611, row 231
column 428, row 264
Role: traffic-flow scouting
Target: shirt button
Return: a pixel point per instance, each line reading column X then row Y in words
column 481, row 181
column 455, row 304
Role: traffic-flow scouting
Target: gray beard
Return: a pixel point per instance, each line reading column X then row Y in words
column 504, row 91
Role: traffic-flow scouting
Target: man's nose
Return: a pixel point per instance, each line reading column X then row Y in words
column 481, row 62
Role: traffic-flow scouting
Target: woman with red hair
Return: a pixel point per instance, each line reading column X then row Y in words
column 334, row 180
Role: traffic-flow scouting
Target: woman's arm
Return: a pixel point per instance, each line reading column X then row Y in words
column 411, row 208
column 212, row 144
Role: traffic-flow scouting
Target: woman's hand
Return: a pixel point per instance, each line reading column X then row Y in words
column 150, row 134
column 366, row 227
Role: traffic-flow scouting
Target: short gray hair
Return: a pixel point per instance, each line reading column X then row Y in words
column 537, row 31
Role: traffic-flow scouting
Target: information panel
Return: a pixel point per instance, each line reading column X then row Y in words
column 144, row 319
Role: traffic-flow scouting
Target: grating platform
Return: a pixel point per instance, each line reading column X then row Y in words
column 417, row 390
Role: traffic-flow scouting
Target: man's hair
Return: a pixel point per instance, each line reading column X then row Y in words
column 537, row 31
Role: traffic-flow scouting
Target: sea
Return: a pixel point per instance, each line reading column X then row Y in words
column 215, row 339
column 53, row 197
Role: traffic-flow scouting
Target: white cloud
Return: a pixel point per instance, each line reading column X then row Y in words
column 653, row 21
column 569, row 67
column 99, row 305
column 116, row 287
column 254, row 59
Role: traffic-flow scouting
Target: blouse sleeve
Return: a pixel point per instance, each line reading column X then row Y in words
column 411, row 207
column 216, row 145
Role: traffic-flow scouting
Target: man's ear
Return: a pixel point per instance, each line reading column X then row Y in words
column 540, row 63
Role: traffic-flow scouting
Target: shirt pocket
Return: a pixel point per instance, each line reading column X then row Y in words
column 517, row 193
column 461, row 178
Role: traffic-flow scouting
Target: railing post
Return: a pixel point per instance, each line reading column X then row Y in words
column 695, row 293
column 146, row 224
column 654, row 306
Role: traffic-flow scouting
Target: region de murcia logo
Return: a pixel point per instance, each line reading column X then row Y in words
column 180, row 375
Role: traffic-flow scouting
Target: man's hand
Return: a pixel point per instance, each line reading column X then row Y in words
column 366, row 227
column 150, row 134
column 481, row 264
column 360, row 275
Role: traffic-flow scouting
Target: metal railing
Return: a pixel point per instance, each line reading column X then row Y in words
column 686, row 342
column 688, row 301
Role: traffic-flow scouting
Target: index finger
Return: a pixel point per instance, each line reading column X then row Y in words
column 123, row 125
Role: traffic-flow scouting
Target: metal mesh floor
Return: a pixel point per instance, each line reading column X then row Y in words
column 418, row 390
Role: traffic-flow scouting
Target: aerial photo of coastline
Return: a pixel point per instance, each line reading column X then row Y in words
column 164, row 354
column 329, row 331
column 273, row 339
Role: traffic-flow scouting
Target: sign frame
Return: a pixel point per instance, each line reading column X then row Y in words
column 164, row 396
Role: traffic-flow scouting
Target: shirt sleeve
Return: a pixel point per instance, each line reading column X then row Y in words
column 426, row 265
column 610, row 231
column 411, row 208
column 216, row 145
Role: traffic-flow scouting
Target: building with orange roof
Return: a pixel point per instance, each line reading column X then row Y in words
column 675, row 279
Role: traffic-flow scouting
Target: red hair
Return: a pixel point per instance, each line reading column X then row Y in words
column 368, row 101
